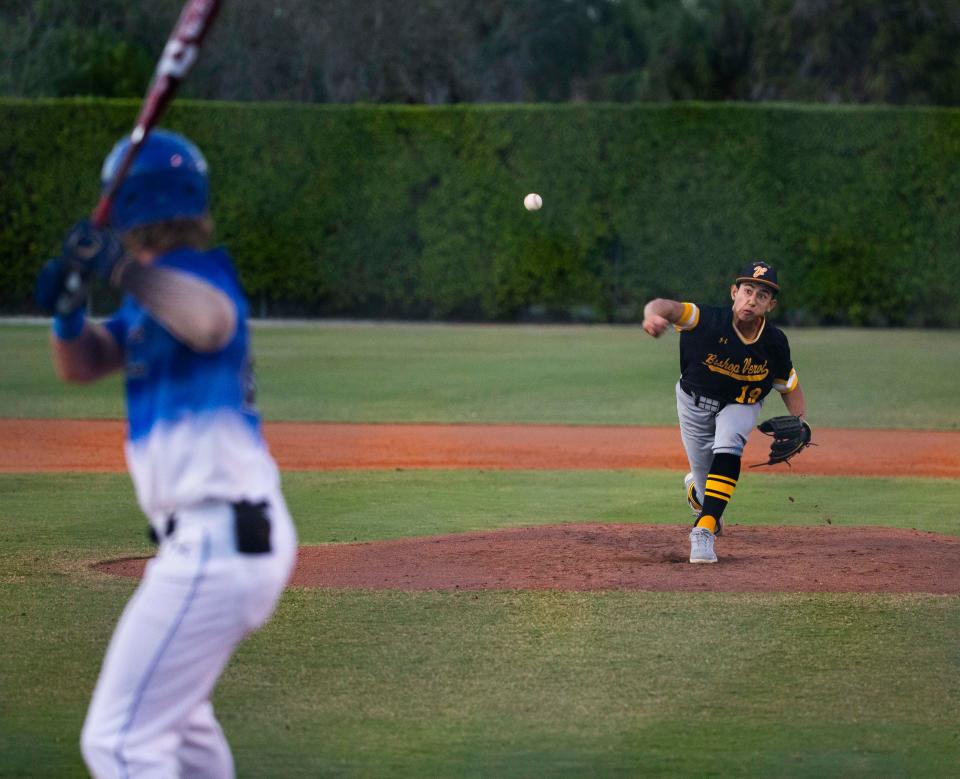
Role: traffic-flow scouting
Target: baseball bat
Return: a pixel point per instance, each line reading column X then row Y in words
column 179, row 54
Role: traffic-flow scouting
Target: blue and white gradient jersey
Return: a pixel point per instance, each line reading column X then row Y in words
column 194, row 432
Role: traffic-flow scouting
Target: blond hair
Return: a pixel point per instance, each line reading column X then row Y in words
column 169, row 234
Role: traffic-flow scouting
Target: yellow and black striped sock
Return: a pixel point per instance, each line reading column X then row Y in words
column 710, row 523
column 721, row 482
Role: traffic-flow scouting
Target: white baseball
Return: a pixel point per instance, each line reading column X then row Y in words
column 533, row 202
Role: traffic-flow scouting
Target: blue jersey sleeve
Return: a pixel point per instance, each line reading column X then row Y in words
column 119, row 324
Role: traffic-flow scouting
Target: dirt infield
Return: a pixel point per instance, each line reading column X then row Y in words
column 636, row 557
column 77, row 445
column 569, row 557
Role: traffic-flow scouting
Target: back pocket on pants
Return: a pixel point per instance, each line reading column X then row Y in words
column 253, row 527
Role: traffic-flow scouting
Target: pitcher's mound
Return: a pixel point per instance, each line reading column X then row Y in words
column 636, row 557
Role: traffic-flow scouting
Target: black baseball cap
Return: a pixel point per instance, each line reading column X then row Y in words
column 759, row 272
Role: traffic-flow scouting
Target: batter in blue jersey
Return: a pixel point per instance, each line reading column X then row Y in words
column 202, row 471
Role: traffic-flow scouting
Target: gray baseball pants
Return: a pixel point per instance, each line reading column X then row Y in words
column 708, row 432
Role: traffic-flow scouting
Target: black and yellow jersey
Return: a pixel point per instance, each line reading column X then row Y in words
column 716, row 360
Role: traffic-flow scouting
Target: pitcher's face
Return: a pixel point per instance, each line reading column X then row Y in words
column 751, row 301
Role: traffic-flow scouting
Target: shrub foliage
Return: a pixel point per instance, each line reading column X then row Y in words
column 416, row 212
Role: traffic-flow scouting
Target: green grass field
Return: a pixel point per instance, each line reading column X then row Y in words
column 505, row 683
column 489, row 373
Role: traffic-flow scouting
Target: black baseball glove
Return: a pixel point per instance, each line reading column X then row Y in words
column 791, row 435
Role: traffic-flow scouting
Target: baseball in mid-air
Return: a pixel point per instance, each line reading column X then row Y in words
column 533, row 202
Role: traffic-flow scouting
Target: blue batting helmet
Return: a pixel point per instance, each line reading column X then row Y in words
column 167, row 180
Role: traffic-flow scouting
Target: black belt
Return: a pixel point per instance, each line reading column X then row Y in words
column 704, row 402
column 252, row 523
column 167, row 531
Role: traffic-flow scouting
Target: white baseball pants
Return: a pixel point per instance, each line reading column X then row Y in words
column 151, row 714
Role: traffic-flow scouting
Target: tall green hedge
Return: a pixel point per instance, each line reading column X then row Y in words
column 416, row 212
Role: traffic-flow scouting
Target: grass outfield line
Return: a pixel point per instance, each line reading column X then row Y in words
column 501, row 683
column 483, row 373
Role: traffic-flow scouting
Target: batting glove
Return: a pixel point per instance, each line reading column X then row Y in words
column 90, row 250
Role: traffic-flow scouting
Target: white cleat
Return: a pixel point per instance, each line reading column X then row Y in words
column 701, row 546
